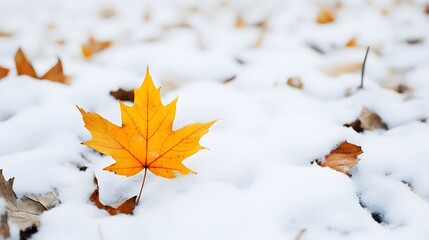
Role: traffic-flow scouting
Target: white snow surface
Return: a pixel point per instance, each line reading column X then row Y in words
column 257, row 181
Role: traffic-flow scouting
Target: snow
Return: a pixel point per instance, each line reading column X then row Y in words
column 257, row 180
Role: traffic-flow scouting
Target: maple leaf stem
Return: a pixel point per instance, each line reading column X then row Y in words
column 141, row 188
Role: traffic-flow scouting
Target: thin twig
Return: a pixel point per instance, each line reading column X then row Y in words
column 141, row 188
column 363, row 68
column 300, row 233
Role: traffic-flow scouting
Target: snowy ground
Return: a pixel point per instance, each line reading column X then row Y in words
column 257, row 181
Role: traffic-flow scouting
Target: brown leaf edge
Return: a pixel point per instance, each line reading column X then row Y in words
column 126, row 207
column 123, row 95
column 3, row 72
column 342, row 158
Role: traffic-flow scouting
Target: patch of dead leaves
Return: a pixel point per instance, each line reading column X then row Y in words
column 342, row 158
column 24, row 212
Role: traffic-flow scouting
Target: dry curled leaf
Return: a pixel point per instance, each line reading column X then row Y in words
column 25, row 212
column 125, row 207
column 295, row 82
column 342, row 158
column 123, row 95
column 336, row 70
column 94, row 46
column 367, row 120
column 325, row 16
column 3, row 72
column 24, row 67
column 145, row 141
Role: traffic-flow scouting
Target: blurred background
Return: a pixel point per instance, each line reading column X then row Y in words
column 224, row 40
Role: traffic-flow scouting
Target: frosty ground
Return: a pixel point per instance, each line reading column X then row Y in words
column 257, row 180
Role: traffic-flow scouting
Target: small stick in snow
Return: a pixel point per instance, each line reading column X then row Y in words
column 363, row 69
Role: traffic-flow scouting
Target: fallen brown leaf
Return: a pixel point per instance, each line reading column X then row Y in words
column 25, row 212
column 295, row 82
column 3, row 72
column 342, row 158
column 94, row 46
column 325, row 16
column 126, row 207
column 367, row 120
column 123, row 95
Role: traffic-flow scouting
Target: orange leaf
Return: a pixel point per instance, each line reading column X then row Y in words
column 146, row 139
column 126, row 207
column 24, row 67
column 344, row 157
column 325, row 16
column 352, row 42
column 3, row 72
column 94, row 46
column 295, row 82
column 56, row 73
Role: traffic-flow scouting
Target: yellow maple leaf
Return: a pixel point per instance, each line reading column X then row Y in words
column 146, row 139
